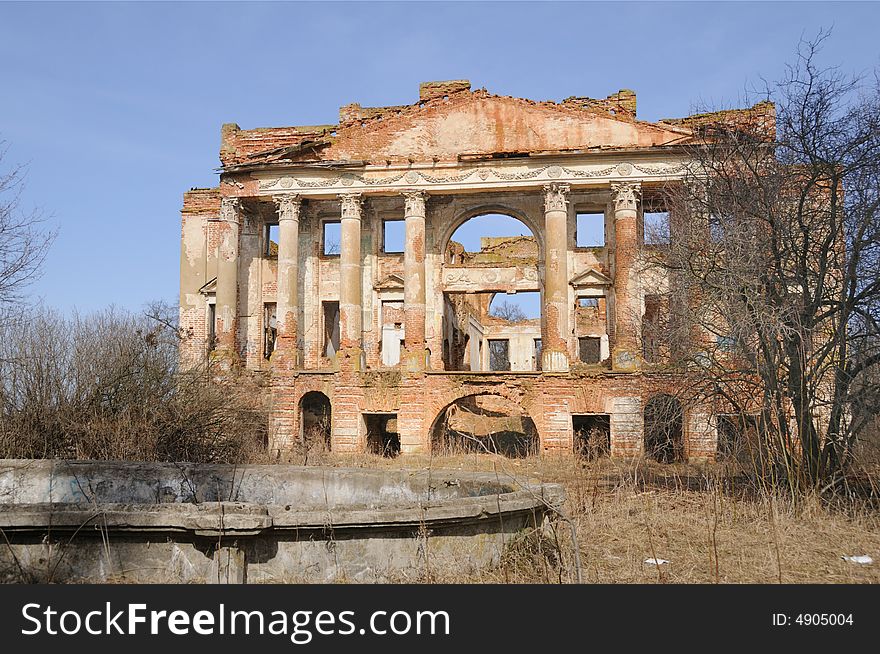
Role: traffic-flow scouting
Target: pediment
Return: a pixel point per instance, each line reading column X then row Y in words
column 591, row 277
column 478, row 124
column 209, row 288
column 390, row 283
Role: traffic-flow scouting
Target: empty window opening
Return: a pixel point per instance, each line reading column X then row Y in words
column 212, row 326
column 393, row 236
column 487, row 424
column 590, row 349
column 592, row 435
column 493, row 239
column 382, row 435
column 315, row 420
column 664, row 436
column 740, row 439
column 332, row 237
column 499, row 354
column 590, row 230
column 537, row 347
column 656, row 329
column 271, row 240
column 270, row 328
column 331, row 329
column 656, row 227
column 516, row 307
column 588, row 302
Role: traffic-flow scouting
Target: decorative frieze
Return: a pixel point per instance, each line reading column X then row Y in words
column 478, row 176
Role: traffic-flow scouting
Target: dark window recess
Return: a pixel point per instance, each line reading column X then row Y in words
column 538, row 346
column 592, row 435
column 270, row 328
column 316, row 419
column 589, row 349
column 212, row 326
column 331, row 329
column 499, row 354
column 383, row 437
column 664, row 429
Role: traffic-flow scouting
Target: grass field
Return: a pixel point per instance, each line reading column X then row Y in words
column 708, row 523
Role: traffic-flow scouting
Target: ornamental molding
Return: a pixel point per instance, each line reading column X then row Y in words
column 414, row 201
column 351, row 205
column 288, row 206
column 625, row 195
column 555, row 197
column 503, row 278
column 476, row 175
column 230, row 210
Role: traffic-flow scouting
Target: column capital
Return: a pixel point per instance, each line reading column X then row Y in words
column 288, row 206
column 625, row 195
column 414, row 201
column 555, row 196
column 351, row 204
column 230, row 210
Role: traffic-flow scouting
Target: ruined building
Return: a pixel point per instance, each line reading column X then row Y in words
column 287, row 272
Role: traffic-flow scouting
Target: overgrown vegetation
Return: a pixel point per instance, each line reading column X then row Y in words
column 106, row 386
column 774, row 283
column 708, row 524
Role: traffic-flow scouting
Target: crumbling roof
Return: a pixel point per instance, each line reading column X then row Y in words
column 500, row 127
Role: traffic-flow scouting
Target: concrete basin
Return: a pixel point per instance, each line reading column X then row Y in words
column 96, row 521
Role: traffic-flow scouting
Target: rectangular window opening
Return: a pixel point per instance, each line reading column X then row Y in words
column 589, row 302
column 590, row 230
column 271, row 238
column 383, row 437
column 538, row 345
column 499, row 354
column 332, row 238
column 589, row 349
column 656, row 227
column 270, row 328
column 592, row 435
column 331, row 329
column 393, row 236
column 212, row 326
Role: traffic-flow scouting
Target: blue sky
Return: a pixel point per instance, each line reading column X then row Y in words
column 116, row 108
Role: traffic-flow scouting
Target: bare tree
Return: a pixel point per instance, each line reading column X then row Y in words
column 107, row 386
column 24, row 237
column 508, row 311
column 774, row 266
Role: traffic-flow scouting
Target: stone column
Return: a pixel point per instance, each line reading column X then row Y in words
column 627, row 350
column 554, row 346
column 227, row 278
column 414, row 280
column 287, row 307
column 350, row 292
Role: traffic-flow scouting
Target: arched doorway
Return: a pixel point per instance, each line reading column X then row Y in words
column 315, row 419
column 664, row 429
column 489, row 424
column 492, row 302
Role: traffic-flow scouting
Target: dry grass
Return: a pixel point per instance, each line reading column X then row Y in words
column 709, row 525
